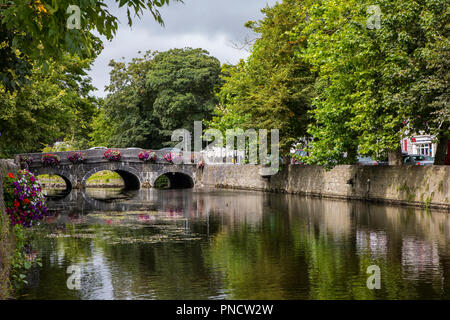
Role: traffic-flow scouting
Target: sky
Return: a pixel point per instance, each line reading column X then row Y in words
column 214, row 25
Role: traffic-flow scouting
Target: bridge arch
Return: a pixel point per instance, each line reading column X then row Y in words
column 131, row 177
column 178, row 179
column 66, row 176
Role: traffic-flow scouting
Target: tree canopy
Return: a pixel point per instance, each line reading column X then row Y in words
column 376, row 86
column 56, row 105
column 321, row 70
column 41, row 53
column 274, row 87
column 35, row 31
column 317, row 70
column 156, row 94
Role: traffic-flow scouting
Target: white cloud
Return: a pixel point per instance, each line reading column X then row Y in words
column 212, row 25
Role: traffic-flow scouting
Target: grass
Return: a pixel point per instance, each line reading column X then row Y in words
column 102, row 177
column 162, row 182
column 105, row 177
column 404, row 189
column 48, row 179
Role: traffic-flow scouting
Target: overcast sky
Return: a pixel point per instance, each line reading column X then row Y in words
column 213, row 25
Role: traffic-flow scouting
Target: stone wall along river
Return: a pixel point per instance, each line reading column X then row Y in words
column 424, row 186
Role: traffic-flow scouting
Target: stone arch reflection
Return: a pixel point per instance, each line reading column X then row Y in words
column 129, row 176
column 55, row 185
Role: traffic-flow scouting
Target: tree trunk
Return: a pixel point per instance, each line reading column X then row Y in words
column 395, row 156
column 441, row 150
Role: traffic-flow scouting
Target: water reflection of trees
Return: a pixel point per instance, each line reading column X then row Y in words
column 258, row 246
column 306, row 249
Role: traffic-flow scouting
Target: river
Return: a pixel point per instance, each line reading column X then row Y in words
column 221, row 244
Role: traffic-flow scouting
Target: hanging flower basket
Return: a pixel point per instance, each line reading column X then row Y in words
column 77, row 157
column 24, row 199
column 50, row 160
column 112, row 155
column 25, row 161
column 147, row 156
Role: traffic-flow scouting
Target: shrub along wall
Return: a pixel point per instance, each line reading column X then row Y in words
column 6, row 245
column 426, row 186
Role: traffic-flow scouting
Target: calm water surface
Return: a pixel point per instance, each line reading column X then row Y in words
column 216, row 244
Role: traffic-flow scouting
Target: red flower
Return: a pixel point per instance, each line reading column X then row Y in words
column 26, row 201
column 11, row 175
column 16, row 203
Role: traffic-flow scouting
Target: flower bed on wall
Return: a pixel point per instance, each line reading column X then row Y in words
column 173, row 158
column 147, row 156
column 50, row 160
column 112, row 155
column 77, row 157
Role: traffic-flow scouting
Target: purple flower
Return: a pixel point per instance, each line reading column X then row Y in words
column 25, row 190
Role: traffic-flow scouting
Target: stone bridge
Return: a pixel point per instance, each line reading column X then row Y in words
column 134, row 172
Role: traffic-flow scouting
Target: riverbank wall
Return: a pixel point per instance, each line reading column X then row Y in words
column 419, row 186
column 6, row 242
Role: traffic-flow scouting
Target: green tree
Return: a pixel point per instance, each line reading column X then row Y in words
column 56, row 105
column 34, row 31
column 274, row 87
column 154, row 95
column 376, row 85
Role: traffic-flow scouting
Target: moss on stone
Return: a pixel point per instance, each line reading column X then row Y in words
column 404, row 189
column 441, row 186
